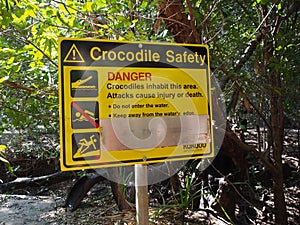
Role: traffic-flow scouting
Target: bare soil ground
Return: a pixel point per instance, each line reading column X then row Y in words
column 97, row 208
column 43, row 205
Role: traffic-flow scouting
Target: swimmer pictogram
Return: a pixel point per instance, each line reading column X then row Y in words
column 85, row 114
column 80, row 117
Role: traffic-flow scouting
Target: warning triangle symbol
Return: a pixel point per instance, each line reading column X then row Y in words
column 73, row 55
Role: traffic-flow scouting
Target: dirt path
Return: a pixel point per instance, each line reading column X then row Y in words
column 24, row 209
column 47, row 210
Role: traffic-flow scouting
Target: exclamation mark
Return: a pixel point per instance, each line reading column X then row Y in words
column 74, row 54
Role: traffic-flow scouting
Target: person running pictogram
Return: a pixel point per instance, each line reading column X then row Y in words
column 86, row 145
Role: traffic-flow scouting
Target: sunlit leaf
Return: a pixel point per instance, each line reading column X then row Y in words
column 10, row 61
column 3, row 147
column 3, row 159
column 89, row 6
column 35, row 86
column 279, row 6
column 2, row 79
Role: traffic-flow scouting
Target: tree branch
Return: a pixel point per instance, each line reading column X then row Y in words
column 240, row 62
column 255, row 108
column 15, row 85
column 192, row 22
column 248, row 148
column 253, row 44
column 20, row 183
column 293, row 8
column 35, row 46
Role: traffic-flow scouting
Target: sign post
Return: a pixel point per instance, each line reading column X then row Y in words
column 141, row 194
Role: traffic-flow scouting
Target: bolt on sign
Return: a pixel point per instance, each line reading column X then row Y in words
column 125, row 103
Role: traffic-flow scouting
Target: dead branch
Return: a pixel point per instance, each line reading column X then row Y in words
column 24, row 182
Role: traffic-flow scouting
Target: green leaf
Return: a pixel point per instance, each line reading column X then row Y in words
column 3, row 158
column 100, row 3
column 89, row 6
column 279, row 6
column 11, row 60
column 135, row 21
column 6, row 162
column 144, row 4
column 35, row 86
column 2, row 79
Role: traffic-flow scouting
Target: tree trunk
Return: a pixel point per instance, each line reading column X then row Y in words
column 177, row 22
column 277, row 119
column 277, row 123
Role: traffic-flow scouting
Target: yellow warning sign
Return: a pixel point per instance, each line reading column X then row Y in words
column 125, row 103
column 74, row 55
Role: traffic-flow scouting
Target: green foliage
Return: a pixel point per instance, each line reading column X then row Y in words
column 4, row 160
column 229, row 28
column 187, row 196
column 29, row 31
